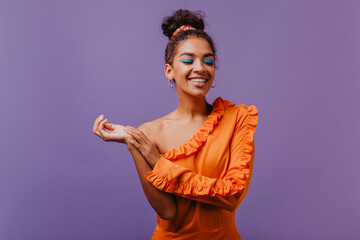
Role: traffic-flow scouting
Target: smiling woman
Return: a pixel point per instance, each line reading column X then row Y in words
column 194, row 164
column 193, row 69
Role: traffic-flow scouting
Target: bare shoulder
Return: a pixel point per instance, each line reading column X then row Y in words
column 152, row 129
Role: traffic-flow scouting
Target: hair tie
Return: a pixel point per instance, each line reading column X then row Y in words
column 183, row 27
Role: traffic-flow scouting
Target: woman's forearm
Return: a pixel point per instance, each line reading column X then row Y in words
column 163, row 203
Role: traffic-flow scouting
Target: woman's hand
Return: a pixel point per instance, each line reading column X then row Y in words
column 109, row 132
column 139, row 140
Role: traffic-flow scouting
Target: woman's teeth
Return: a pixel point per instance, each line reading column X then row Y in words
column 197, row 80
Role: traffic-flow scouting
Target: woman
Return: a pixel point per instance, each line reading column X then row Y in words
column 194, row 178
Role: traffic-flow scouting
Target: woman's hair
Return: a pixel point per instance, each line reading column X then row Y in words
column 179, row 18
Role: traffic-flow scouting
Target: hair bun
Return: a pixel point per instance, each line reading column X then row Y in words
column 182, row 17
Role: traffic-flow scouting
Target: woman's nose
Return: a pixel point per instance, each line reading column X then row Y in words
column 198, row 66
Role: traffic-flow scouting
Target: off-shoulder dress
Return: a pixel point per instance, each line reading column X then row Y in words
column 209, row 175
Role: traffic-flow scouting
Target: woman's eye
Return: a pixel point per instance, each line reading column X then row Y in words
column 208, row 61
column 188, row 60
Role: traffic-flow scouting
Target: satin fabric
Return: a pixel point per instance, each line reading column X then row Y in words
column 209, row 175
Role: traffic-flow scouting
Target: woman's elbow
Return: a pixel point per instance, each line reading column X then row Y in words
column 169, row 214
column 232, row 202
column 230, row 208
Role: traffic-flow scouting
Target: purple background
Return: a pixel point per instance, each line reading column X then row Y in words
column 63, row 63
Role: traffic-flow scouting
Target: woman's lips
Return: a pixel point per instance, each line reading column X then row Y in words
column 197, row 83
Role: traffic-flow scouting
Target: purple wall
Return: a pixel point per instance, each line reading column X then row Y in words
column 63, row 63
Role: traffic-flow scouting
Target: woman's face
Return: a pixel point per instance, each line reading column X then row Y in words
column 193, row 68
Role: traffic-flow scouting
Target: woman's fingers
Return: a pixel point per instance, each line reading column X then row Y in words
column 134, row 142
column 103, row 133
column 96, row 123
column 133, row 135
column 106, row 130
column 96, row 126
column 138, row 139
column 101, row 126
column 109, row 126
column 136, row 133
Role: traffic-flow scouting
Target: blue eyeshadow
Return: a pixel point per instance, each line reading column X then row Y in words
column 188, row 60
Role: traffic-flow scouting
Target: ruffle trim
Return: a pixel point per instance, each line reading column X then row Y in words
column 226, row 187
column 200, row 137
column 248, row 146
column 193, row 190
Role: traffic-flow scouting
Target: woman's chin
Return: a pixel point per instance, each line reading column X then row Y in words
column 198, row 94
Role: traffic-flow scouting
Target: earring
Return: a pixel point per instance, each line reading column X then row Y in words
column 171, row 84
column 215, row 84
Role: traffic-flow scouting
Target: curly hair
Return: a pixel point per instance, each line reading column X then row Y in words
column 176, row 20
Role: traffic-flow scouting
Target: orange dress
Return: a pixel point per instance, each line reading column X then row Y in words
column 209, row 175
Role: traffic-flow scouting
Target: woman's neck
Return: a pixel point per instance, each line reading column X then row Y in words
column 193, row 107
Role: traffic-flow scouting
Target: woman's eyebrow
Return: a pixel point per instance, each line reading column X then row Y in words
column 208, row 55
column 186, row 53
column 191, row 54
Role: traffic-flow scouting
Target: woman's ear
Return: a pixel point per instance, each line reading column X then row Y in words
column 169, row 72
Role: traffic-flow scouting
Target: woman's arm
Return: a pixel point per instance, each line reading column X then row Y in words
column 145, row 147
column 226, row 193
column 163, row 203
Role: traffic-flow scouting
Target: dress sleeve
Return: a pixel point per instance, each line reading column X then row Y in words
column 226, row 192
